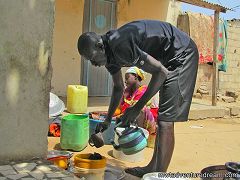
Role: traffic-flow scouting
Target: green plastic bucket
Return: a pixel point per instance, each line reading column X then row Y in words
column 74, row 132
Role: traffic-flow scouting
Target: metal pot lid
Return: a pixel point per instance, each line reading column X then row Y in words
column 233, row 167
column 113, row 172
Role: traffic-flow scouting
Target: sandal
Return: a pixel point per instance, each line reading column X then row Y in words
column 136, row 171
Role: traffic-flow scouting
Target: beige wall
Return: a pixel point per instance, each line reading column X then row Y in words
column 25, row 75
column 65, row 60
column 129, row 10
column 68, row 25
column 230, row 80
column 174, row 9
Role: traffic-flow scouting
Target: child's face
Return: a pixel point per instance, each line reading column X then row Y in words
column 130, row 80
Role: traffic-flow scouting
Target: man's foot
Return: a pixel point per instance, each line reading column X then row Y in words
column 138, row 171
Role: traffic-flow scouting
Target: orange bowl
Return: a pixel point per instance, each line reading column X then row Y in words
column 60, row 161
column 82, row 161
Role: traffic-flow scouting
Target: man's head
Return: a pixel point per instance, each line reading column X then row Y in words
column 91, row 47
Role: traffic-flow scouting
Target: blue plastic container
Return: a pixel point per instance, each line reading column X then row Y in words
column 108, row 135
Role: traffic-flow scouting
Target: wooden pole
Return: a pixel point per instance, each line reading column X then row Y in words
column 215, row 69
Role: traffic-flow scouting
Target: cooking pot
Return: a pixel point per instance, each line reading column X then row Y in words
column 233, row 167
column 131, row 140
column 229, row 171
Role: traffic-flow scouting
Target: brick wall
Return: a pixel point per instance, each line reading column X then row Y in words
column 230, row 80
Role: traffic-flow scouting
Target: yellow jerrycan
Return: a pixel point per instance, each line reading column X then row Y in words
column 77, row 99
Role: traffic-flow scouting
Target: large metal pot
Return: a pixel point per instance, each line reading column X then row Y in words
column 229, row 171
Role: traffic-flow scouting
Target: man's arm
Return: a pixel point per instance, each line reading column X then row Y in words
column 159, row 74
column 118, row 87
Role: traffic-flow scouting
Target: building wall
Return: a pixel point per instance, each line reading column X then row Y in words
column 227, row 80
column 25, row 74
column 68, row 25
column 130, row 10
column 174, row 9
column 204, row 77
column 66, row 60
column 230, row 80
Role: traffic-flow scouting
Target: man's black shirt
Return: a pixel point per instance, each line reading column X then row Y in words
column 132, row 42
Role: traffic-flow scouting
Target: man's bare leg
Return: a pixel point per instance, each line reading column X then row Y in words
column 164, row 145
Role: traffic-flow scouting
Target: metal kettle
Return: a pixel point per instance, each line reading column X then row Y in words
column 131, row 140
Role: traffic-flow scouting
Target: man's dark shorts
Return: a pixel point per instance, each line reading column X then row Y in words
column 177, row 91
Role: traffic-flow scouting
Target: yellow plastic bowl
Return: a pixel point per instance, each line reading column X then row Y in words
column 82, row 161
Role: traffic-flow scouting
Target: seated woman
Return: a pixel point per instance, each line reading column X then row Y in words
column 133, row 92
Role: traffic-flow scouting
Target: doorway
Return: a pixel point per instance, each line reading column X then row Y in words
column 99, row 16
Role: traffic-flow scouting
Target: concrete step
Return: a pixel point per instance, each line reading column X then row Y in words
column 201, row 111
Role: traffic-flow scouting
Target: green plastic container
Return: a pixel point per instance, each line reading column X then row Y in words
column 74, row 132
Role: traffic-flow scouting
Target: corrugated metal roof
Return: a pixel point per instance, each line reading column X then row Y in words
column 233, row 20
column 206, row 4
column 216, row 4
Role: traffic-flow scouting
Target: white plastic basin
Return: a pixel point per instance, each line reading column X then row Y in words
column 56, row 105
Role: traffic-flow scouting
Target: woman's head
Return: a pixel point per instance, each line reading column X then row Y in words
column 134, row 76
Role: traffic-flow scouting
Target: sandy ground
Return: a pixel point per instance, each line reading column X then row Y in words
column 198, row 144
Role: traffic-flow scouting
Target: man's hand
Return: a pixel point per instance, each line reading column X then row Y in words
column 129, row 116
column 102, row 126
